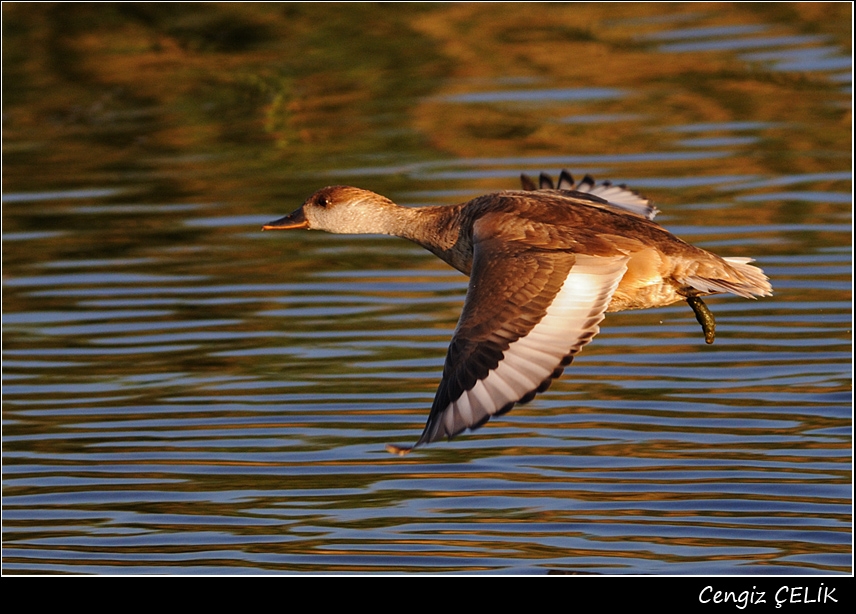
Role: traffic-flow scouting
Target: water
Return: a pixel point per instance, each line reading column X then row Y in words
column 185, row 394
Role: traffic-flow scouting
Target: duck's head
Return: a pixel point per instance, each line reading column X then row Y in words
column 339, row 209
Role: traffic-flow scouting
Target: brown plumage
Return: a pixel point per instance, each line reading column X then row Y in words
column 545, row 265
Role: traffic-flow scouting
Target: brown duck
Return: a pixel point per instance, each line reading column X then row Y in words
column 545, row 265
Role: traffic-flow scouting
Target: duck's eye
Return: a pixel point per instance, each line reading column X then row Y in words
column 322, row 201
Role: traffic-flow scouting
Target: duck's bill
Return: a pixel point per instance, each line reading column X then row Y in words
column 290, row 221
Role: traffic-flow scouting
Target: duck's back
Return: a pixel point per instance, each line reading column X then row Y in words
column 661, row 268
column 564, row 220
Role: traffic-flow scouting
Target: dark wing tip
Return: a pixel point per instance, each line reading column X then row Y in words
column 527, row 183
column 587, row 183
column 566, row 180
column 545, row 181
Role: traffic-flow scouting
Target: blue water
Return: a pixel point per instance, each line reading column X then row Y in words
column 185, row 394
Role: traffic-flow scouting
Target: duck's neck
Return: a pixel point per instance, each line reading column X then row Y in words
column 437, row 229
column 392, row 219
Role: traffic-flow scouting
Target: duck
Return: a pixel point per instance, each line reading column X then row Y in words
column 545, row 264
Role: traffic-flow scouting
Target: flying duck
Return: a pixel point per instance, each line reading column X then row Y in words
column 545, row 264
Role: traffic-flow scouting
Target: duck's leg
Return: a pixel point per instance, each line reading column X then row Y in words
column 704, row 317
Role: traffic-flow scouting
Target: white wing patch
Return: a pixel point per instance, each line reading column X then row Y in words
column 529, row 362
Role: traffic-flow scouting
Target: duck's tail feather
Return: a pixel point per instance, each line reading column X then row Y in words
column 744, row 280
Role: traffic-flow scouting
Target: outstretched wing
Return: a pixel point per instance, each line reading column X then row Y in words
column 618, row 196
column 529, row 310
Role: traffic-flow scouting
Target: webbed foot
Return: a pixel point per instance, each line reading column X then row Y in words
column 704, row 317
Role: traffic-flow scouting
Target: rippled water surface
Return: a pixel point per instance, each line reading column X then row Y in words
column 183, row 393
